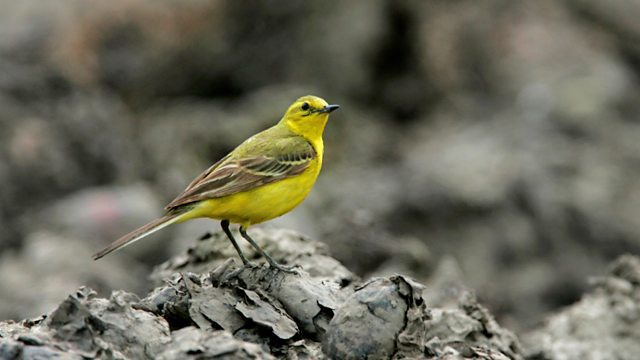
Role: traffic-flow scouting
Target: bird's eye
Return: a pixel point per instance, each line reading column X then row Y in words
column 305, row 106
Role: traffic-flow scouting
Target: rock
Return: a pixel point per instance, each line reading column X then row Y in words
column 99, row 215
column 50, row 266
column 257, row 312
column 285, row 246
column 94, row 327
column 388, row 318
column 84, row 326
column 384, row 318
column 232, row 299
column 617, row 19
column 469, row 331
column 604, row 324
column 191, row 343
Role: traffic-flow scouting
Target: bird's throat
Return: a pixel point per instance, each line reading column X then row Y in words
column 310, row 130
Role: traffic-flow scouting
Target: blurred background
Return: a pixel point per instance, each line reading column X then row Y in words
column 491, row 144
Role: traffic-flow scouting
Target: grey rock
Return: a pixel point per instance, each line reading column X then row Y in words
column 212, row 307
column 93, row 326
column 285, row 246
column 265, row 313
column 304, row 350
column 85, row 326
column 99, row 215
column 388, row 318
column 256, row 312
column 191, row 343
column 248, row 299
column 10, row 349
column 309, row 301
column 171, row 302
column 53, row 265
column 384, row 318
column 41, row 353
column 469, row 331
column 603, row 325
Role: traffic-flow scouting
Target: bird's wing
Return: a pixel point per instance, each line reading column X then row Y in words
column 249, row 168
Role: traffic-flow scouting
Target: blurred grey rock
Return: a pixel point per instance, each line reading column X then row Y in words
column 49, row 266
column 617, row 18
column 54, row 145
column 99, row 215
column 448, row 162
column 604, row 324
column 446, row 285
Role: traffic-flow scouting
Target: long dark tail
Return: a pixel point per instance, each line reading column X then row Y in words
column 138, row 234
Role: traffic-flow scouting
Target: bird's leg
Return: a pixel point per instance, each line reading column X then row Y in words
column 273, row 263
column 225, row 228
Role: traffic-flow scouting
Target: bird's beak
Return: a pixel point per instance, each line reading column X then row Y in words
column 329, row 108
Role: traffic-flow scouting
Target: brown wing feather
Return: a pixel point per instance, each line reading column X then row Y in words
column 228, row 177
column 205, row 173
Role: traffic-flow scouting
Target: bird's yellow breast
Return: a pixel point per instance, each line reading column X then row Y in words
column 262, row 203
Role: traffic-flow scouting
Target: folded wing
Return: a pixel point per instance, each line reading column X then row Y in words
column 232, row 175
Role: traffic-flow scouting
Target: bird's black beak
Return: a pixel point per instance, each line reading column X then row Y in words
column 329, row 108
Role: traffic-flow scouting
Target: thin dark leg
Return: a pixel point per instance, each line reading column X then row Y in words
column 225, row 228
column 272, row 262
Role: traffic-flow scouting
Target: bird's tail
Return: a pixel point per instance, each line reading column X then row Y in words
column 138, row 234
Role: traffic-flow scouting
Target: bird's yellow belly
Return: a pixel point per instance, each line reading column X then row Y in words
column 261, row 204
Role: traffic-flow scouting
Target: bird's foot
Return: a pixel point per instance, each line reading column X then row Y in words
column 293, row 269
column 249, row 265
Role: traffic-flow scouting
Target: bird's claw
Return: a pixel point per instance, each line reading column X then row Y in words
column 249, row 265
column 293, row 269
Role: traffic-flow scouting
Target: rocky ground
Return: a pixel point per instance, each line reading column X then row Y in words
column 206, row 307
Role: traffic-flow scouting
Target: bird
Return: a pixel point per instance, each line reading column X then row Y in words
column 264, row 177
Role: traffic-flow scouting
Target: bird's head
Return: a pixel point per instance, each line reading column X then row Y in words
column 308, row 116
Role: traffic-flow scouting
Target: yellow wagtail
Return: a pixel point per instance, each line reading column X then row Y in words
column 266, row 176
